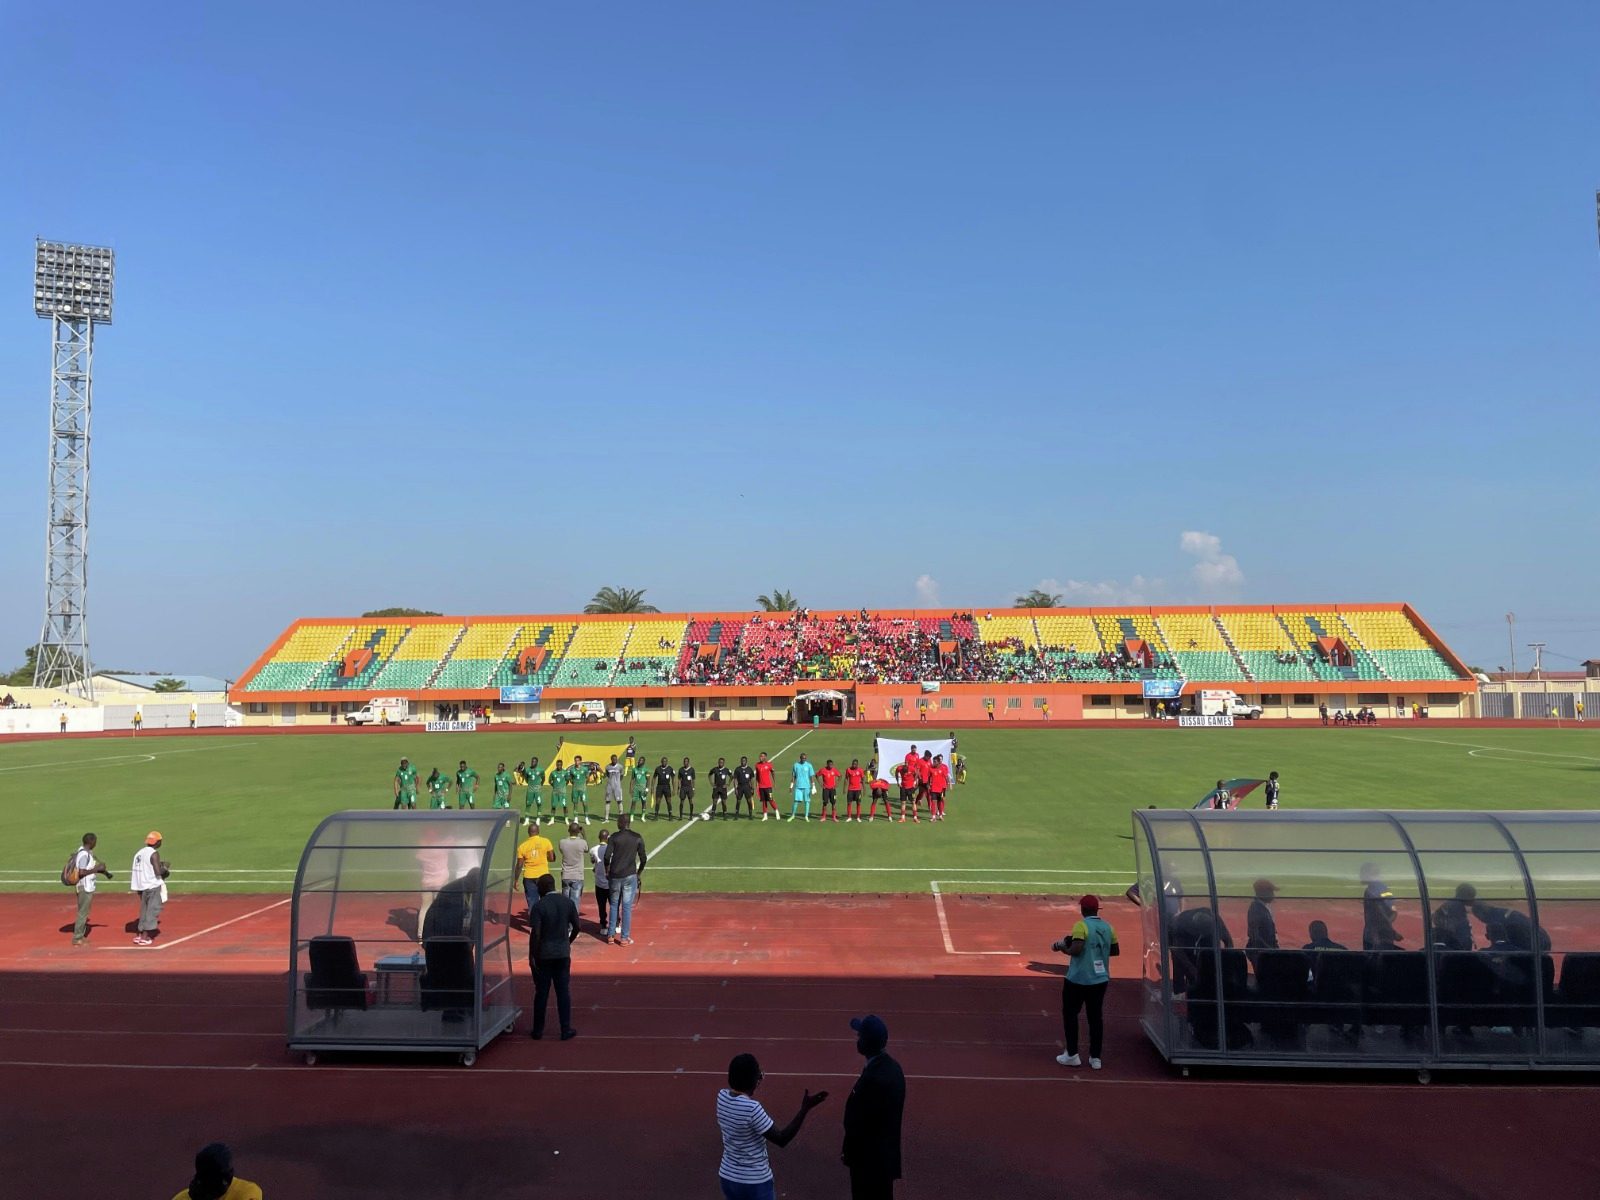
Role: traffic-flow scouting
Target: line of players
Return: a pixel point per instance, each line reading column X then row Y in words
column 924, row 782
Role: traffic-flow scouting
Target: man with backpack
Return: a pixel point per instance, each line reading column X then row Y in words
column 80, row 873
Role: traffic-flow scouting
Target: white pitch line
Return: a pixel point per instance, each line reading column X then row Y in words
column 677, row 833
column 208, row 929
column 82, row 762
column 944, row 927
column 1472, row 748
column 938, row 871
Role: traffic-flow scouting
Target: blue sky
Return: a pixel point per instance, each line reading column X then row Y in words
column 480, row 307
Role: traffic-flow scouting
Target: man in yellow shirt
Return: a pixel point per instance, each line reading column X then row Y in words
column 534, row 857
column 214, row 1178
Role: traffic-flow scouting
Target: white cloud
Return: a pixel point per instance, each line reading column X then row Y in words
column 1213, row 570
column 927, row 591
column 1082, row 592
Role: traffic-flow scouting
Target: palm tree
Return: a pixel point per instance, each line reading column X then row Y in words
column 778, row 601
column 619, row 600
column 1038, row 599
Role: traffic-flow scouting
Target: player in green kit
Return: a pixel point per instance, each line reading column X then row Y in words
column 466, row 786
column 438, row 785
column 578, row 773
column 558, row 789
column 534, row 803
column 502, row 787
column 405, row 785
column 640, row 774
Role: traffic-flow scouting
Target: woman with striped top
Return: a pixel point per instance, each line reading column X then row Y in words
column 745, row 1173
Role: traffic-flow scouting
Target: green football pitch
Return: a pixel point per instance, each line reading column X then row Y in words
column 1042, row 811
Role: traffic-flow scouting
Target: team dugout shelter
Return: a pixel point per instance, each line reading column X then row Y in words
column 400, row 934
column 1031, row 665
column 1413, row 940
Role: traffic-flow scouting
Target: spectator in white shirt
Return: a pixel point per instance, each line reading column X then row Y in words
column 602, row 882
column 87, row 867
column 745, row 1173
column 146, row 880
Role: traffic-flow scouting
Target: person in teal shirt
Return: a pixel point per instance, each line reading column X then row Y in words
column 558, row 788
column 800, row 785
column 578, row 773
column 466, row 786
column 405, row 785
column 534, row 802
column 502, row 787
column 438, row 785
column 1089, row 948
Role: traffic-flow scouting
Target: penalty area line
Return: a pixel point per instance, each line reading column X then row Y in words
column 944, row 928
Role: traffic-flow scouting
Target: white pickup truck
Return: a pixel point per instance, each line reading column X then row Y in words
column 386, row 710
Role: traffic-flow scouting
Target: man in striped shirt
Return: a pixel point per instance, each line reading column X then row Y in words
column 745, row 1173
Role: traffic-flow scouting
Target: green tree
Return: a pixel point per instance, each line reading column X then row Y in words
column 23, row 675
column 619, row 600
column 778, row 601
column 1038, row 599
column 169, row 684
column 402, row 612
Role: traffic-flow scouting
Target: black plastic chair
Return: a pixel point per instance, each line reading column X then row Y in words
column 1338, row 982
column 336, row 980
column 1282, row 991
column 1577, row 1003
column 1397, row 988
column 447, row 977
column 1468, row 990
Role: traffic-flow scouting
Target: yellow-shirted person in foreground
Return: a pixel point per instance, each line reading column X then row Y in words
column 534, row 857
column 214, row 1178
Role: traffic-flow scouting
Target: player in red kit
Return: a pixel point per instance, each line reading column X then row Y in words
column 938, row 785
column 924, row 772
column 764, row 785
column 829, row 775
column 853, row 775
column 880, row 791
column 908, row 791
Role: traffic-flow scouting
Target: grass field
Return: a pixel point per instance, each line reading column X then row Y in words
column 1044, row 810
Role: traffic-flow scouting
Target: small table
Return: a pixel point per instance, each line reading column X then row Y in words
column 406, row 967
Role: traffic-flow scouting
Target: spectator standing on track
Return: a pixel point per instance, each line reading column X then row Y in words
column 552, row 928
column 146, row 881
column 573, row 850
column 873, row 1114
column 613, row 785
column 625, row 860
column 87, row 868
column 214, row 1178
column 534, row 857
column 602, row 885
column 744, row 788
column 1089, row 948
column 194, row 716
column 745, row 1172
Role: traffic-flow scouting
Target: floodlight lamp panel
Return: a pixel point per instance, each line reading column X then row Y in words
column 73, row 282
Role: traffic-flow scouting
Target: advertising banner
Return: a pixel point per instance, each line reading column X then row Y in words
column 1217, row 721
column 521, row 693
column 1163, row 689
column 450, row 727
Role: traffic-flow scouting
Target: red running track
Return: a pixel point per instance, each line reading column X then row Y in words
column 120, row 1062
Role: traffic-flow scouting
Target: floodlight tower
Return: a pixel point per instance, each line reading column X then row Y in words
column 71, row 289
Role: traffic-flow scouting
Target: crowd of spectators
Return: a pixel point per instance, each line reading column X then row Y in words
column 797, row 647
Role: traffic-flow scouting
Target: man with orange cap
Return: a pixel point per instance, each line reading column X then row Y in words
column 146, row 881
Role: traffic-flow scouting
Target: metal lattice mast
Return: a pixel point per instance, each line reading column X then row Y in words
column 72, row 287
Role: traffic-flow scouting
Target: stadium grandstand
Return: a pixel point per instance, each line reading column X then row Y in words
column 1019, row 664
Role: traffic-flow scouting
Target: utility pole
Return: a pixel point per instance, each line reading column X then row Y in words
column 1538, row 658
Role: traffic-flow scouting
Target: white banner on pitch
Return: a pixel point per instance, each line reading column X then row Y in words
column 891, row 751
